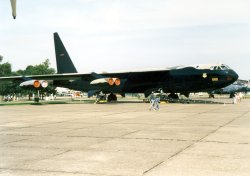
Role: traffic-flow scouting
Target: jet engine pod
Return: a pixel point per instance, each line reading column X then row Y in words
column 36, row 84
column 44, row 84
column 111, row 81
column 30, row 83
column 117, row 81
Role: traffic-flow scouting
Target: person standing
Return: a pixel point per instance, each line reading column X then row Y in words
column 151, row 101
column 157, row 104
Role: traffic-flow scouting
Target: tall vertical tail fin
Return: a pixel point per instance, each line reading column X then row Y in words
column 63, row 61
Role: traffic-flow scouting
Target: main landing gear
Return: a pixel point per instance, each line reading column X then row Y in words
column 173, row 96
column 211, row 95
column 102, row 97
column 112, row 97
column 232, row 95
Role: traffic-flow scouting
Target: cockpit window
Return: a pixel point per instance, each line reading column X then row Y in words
column 222, row 67
column 225, row 67
column 212, row 68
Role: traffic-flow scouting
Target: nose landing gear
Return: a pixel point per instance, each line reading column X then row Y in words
column 173, row 96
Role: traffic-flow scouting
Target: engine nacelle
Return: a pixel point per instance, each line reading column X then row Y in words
column 110, row 81
column 117, row 81
column 35, row 83
column 44, row 83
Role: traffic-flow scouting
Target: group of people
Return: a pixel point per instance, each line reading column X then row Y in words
column 155, row 101
column 10, row 98
column 237, row 98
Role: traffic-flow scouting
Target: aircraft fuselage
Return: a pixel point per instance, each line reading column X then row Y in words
column 180, row 80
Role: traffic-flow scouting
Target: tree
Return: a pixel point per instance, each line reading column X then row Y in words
column 5, row 68
column 41, row 69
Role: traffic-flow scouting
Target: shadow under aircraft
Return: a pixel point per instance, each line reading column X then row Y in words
column 180, row 79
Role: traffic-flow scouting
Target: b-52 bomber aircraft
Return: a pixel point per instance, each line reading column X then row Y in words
column 181, row 79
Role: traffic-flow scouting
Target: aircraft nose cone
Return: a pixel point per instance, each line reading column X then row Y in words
column 233, row 75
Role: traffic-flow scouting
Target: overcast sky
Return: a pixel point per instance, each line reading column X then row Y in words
column 116, row 35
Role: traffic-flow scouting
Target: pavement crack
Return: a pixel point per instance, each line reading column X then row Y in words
column 53, row 171
column 58, row 154
column 130, row 133
column 153, row 167
column 16, row 141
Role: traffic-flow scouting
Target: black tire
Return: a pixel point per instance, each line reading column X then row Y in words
column 173, row 96
column 112, row 97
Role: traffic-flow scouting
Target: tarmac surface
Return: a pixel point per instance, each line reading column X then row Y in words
column 125, row 139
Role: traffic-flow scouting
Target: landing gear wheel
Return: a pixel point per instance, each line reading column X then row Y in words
column 232, row 95
column 173, row 96
column 100, row 97
column 211, row 95
column 112, row 97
